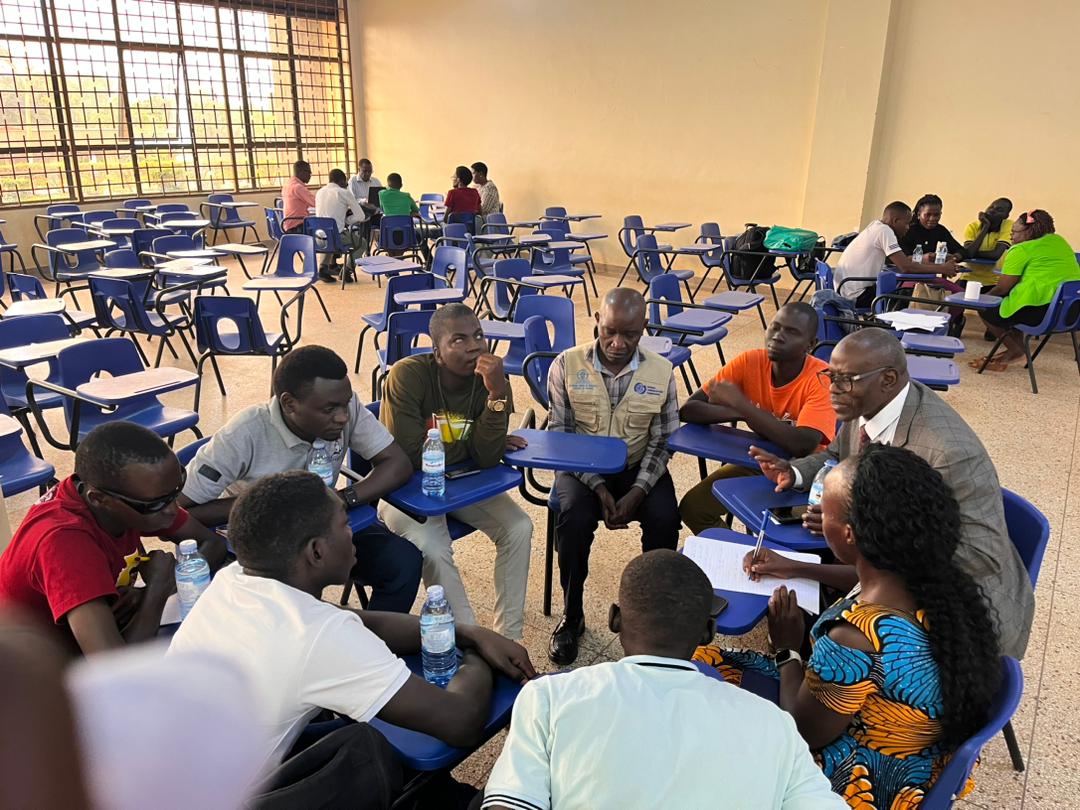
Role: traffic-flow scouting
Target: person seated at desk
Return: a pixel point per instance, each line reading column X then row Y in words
column 361, row 183
column 926, row 231
column 489, row 192
column 309, row 423
column 865, row 257
column 72, row 561
column 611, row 387
column 1038, row 262
column 878, row 402
column 296, row 198
column 461, row 199
column 303, row 655
column 654, row 717
column 776, row 392
column 397, row 203
column 334, row 200
column 987, row 238
column 906, row 668
column 461, row 389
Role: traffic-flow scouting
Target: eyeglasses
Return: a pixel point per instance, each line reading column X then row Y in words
column 845, row 382
column 148, row 507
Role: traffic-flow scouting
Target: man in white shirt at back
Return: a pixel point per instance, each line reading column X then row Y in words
column 334, row 200
column 302, row 655
column 640, row 732
column 361, row 183
column 863, row 260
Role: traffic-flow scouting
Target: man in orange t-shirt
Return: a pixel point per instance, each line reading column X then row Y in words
column 776, row 392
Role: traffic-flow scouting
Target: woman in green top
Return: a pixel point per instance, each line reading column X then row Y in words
column 1038, row 262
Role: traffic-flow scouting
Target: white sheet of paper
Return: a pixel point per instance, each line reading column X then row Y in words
column 722, row 563
column 914, row 320
column 171, row 613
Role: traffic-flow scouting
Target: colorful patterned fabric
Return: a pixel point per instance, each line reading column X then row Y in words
column 889, row 754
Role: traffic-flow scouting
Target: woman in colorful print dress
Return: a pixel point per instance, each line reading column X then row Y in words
column 904, row 668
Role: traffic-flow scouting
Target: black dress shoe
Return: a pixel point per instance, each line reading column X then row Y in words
column 327, row 277
column 563, row 648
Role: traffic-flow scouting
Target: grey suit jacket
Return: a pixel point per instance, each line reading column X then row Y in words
column 932, row 430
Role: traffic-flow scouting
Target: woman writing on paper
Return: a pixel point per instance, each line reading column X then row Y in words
column 904, row 668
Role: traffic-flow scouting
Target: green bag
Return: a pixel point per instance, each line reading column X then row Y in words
column 794, row 240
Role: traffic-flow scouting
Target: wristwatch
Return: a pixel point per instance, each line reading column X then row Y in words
column 497, row 405
column 786, row 657
column 348, row 494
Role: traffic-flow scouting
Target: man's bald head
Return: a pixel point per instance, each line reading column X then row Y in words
column 624, row 300
column 620, row 323
column 874, row 348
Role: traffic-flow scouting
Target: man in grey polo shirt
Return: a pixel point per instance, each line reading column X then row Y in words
column 313, row 417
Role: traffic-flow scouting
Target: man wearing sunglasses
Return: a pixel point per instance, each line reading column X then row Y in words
column 74, row 559
column 877, row 401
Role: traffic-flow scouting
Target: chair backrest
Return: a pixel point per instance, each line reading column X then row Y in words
column 823, row 276
column 632, row 230
column 496, row 223
column 455, row 233
column 186, row 453
column 173, row 241
column 447, row 258
column 397, row 233
column 558, row 228
column 432, row 197
column 88, row 218
column 649, row 263
column 273, row 223
column 710, row 235
column 516, row 268
column 62, row 208
column 886, row 285
column 115, row 222
column 142, row 240
column 170, row 208
column 21, row 331
column 555, row 211
column 324, row 231
column 293, row 246
column 227, row 324
column 77, row 364
column 537, row 359
column 25, row 287
column 468, row 220
column 405, row 282
column 82, row 261
column 556, row 310
column 1064, row 311
column 549, row 260
column 219, row 215
column 131, row 205
column 118, row 304
column 664, row 286
column 403, row 330
column 122, row 258
column 1029, row 531
column 953, row 776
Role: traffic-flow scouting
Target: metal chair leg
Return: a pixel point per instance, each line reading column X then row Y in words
column 1030, row 364
column 322, row 304
column 1013, row 746
column 549, row 563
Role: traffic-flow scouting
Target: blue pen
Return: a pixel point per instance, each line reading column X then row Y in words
column 760, row 540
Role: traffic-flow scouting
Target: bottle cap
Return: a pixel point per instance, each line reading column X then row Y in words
column 831, row 462
column 188, row 547
column 434, row 433
column 435, row 593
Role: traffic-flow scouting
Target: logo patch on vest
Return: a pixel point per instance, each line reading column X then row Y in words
column 583, row 382
column 649, row 390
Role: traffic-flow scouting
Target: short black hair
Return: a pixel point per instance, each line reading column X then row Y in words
column 479, row 168
column 298, row 370
column 338, row 176
column 273, row 520
column 463, row 174
column 665, row 596
column 103, row 456
column 365, row 160
column 806, row 312
column 299, row 166
column 1005, row 200
column 439, row 326
column 394, row 179
column 897, row 207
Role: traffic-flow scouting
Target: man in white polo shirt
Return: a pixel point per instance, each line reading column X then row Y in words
column 334, row 200
column 309, row 423
column 638, row 732
column 855, row 277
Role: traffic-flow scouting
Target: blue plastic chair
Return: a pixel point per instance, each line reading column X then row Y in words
column 686, row 324
column 114, row 356
column 328, row 242
column 295, row 261
column 48, row 219
column 165, row 211
column 823, row 276
column 28, row 288
column 560, row 229
column 120, row 306
column 734, row 283
column 376, row 322
column 11, row 250
column 62, row 268
column 226, row 219
column 22, row 331
column 1062, row 317
column 403, row 332
column 649, row 264
column 122, row 259
column 496, row 223
column 186, row 453
column 549, row 309
column 557, row 262
column 128, row 207
column 88, row 220
column 501, row 282
column 114, row 222
column 398, row 237
column 164, row 244
column 230, row 326
column 19, row 469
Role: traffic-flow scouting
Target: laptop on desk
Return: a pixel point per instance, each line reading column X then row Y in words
column 373, row 196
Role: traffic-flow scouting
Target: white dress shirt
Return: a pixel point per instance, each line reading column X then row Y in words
column 881, row 428
column 336, row 202
column 360, row 188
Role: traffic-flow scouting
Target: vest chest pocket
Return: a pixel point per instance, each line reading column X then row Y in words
column 638, row 419
column 586, row 416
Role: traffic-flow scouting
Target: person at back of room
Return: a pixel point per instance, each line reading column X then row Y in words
column 297, row 199
column 334, row 200
column 904, row 669
column 461, row 199
column 987, row 238
column 73, row 561
column 926, row 234
column 651, row 730
column 489, row 192
column 776, row 392
column 863, row 260
column 397, row 203
column 361, row 183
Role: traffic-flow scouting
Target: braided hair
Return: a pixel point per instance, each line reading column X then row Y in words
column 915, row 536
column 925, row 199
column 1037, row 222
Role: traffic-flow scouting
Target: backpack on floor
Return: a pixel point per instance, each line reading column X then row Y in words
column 752, row 267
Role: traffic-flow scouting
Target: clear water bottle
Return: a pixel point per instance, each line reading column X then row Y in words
column 320, row 462
column 917, row 254
column 192, row 576
column 433, row 464
column 438, row 641
column 942, row 254
column 817, row 489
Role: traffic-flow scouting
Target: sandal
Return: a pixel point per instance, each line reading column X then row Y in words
column 993, row 365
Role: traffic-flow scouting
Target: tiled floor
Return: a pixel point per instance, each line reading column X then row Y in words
column 1032, row 439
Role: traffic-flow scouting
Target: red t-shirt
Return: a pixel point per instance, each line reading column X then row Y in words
column 61, row 557
column 462, row 201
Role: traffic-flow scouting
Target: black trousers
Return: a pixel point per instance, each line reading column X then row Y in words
column 580, row 513
column 391, row 565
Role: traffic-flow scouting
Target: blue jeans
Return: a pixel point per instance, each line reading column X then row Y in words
column 391, row 565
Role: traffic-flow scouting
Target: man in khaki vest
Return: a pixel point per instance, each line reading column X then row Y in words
column 611, row 388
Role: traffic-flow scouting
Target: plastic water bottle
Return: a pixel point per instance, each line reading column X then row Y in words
column 817, row 489
column 942, row 254
column 438, row 641
column 917, row 254
column 433, row 464
column 192, row 576
column 320, row 462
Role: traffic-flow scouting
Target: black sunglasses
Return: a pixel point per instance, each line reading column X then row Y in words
column 148, row 507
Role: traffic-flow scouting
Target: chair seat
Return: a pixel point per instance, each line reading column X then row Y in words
column 703, row 319
column 936, row 344
column 80, row 319
column 24, row 472
column 77, row 275
column 734, row 301
column 234, row 223
column 562, row 271
column 709, row 338
column 745, row 282
column 229, row 336
column 163, row 420
column 376, row 320
column 677, row 355
column 15, row 396
column 415, row 350
column 7, row 247
column 935, row 372
column 682, row 275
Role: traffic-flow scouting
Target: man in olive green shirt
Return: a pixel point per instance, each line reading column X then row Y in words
column 462, row 390
column 394, row 202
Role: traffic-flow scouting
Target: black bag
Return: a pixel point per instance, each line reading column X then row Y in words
column 352, row 768
column 752, row 267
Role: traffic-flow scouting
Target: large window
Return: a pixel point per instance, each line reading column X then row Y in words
column 106, row 98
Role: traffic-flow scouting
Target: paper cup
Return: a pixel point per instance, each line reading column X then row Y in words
column 972, row 291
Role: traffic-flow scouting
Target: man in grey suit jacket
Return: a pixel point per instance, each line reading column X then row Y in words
column 878, row 402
